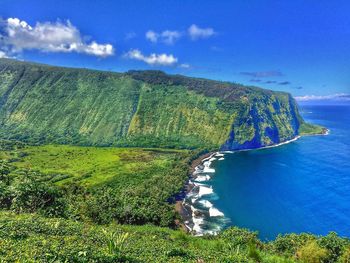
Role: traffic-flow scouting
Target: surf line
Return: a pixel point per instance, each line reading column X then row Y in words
column 204, row 217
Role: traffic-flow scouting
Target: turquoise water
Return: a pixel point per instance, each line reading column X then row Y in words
column 303, row 186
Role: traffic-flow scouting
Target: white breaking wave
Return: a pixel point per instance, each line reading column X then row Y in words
column 207, row 168
column 197, row 222
column 282, row 143
column 205, row 190
column 228, row 152
column 193, row 200
column 200, row 225
column 206, row 203
column 202, row 178
column 195, row 197
column 215, row 212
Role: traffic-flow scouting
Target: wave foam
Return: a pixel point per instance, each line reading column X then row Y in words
column 197, row 222
column 205, row 190
column 206, row 203
column 206, row 219
column 202, row 178
column 215, row 212
column 207, row 168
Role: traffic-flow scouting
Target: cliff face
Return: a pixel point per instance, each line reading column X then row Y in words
column 44, row 104
column 266, row 120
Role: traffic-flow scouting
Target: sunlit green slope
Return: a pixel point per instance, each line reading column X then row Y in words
column 45, row 104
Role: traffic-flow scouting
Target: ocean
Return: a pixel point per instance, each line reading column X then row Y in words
column 302, row 186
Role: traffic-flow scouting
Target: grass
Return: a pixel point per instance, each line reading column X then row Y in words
column 32, row 238
column 93, row 165
column 310, row 129
column 100, row 185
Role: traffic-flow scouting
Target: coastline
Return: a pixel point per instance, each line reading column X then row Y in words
column 325, row 131
column 194, row 218
column 197, row 188
column 181, row 207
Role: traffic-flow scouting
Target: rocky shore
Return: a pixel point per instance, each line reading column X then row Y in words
column 183, row 209
column 195, row 188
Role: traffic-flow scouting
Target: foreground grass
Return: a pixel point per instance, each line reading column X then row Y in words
column 32, row 238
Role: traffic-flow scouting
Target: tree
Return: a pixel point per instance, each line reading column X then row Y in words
column 4, row 172
column 311, row 252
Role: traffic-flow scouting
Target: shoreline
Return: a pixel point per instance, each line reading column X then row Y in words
column 199, row 170
column 193, row 218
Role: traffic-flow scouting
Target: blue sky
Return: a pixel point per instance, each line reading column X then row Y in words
column 302, row 47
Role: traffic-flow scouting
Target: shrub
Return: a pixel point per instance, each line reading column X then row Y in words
column 311, row 253
column 30, row 195
column 179, row 252
column 345, row 257
column 102, row 205
column 289, row 244
column 334, row 244
column 115, row 241
column 239, row 237
column 253, row 253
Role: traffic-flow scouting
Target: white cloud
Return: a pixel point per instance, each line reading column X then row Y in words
column 185, row 65
column 168, row 37
column 171, row 36
column 49, row 37
column 152, row 36
column 338, row 97
column 3, row 54
column 195, row 32
column 152, row 59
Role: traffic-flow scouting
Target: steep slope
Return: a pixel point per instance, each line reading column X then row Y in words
column 45, row 104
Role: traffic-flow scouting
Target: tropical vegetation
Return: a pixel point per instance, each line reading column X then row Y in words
column 68, row 194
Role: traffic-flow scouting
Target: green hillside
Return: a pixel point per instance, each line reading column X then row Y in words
column 65, row 198
column 45, row 104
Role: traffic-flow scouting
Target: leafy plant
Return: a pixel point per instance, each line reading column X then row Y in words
column 311, row 253
column 115, row 241
column 345, row 257
column 253, row 253
column 334, row 244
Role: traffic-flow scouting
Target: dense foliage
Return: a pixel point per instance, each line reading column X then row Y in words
column 64, row 203
column 101, row 185
column 44, row 104
column 29, row 238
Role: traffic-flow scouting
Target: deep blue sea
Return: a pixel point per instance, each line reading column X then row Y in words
column 303, row 186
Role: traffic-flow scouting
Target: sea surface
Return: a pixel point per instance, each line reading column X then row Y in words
column 302, row 186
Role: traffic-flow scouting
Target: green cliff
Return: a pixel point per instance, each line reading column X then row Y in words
column 46, row 104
